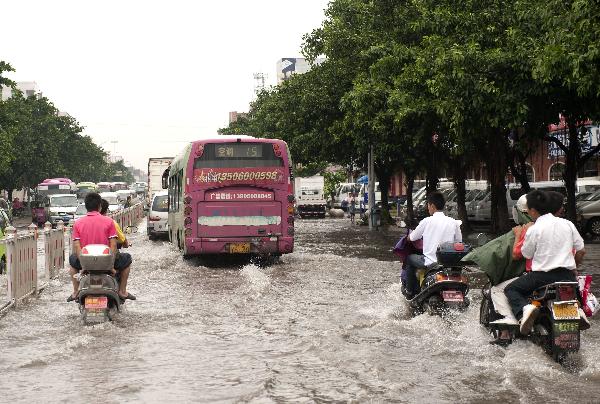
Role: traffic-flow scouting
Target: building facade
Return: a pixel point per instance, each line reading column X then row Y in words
column 28, row 88
column 286, row 67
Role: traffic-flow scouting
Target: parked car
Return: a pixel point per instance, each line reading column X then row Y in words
column 588, row 214
column 158, row 215
column 481, row 210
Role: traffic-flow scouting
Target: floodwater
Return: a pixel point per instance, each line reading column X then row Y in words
column 325, row 324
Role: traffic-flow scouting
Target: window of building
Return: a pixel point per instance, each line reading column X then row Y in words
column 590, row 168
column 556, row 172
column 530, row 172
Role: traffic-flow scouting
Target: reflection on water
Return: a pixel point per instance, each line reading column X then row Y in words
column 327, row 323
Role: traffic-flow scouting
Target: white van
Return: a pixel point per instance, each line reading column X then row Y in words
column 340, row 197
column 158, row 215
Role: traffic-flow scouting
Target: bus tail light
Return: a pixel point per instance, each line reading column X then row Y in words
column 188, row 221
column 187, row 200
column 187, row 211
column 188, row 232
column 290, row 209
column 290, row 231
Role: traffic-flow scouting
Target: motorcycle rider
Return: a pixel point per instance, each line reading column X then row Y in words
column 434, row 230
column 95, row 229
column 549, row 243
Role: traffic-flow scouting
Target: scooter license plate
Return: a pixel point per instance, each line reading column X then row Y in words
column 239, row 248
column 565, row 311
column 453, row 296
column 96, row 302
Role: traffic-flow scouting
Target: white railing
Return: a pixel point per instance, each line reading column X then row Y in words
column 129, row 217
column 21, row 266
column 54, row 249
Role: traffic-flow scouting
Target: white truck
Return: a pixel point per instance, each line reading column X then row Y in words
column 310, row 198
column 156, row 168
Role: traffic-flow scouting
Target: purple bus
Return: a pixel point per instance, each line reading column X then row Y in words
column 231, row 195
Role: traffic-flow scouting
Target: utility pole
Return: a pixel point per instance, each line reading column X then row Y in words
column 371, row 188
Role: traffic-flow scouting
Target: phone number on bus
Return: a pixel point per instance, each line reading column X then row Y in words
column 215, row 176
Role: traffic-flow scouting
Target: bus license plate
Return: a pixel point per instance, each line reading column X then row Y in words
column 565, row 311
column 239, row 248
column 452, row 296
column 100, row 302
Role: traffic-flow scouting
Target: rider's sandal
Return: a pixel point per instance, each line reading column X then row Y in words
column 503, row 342
column 71, row 298
column 129, row 296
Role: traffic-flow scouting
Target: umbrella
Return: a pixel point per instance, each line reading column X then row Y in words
column 363, row 180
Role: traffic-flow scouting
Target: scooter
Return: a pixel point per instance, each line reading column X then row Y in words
column 444, row 287
column 98, row 296
column 557, row 327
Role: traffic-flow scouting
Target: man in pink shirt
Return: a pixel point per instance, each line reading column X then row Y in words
column 96, row 229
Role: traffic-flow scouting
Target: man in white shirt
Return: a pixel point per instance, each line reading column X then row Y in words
column 434, row 230
column 550, row 243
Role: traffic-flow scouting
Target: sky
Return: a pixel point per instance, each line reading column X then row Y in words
column 145, row 77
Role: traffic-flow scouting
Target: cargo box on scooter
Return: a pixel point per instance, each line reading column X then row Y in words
column 96, row 258
column 450, row 254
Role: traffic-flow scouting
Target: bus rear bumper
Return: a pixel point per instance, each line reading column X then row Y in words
column 257, row 245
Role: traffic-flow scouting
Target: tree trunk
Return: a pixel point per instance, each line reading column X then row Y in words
column 410, row 214
column 459, row 183
column 10, row 194
column 383, row 175
column 497, row 167
column 432, row 179
column 571, row 168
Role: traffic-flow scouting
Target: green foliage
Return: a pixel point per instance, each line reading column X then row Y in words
column 397, row 71
column 332, row 180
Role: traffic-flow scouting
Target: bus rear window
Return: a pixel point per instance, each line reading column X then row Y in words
column 238, row 155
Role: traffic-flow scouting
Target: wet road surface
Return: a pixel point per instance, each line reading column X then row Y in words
column 326, row 324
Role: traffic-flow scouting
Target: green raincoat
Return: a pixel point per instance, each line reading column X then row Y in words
column 495, row 257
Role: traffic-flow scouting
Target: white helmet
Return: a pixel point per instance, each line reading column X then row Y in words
column 520, row 206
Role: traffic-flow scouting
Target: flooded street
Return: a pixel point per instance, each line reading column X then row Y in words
column 326, row 324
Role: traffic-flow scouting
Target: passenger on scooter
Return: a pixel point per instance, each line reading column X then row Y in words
column 95, row 229
column 549, row 243
column 434, row 230
column 122, row 241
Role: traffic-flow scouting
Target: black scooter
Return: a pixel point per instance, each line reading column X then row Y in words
column 443, row 285
column 558, row 325
column 98, row 296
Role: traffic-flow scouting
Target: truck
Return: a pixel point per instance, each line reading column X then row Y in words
column 156, row 168
column 310, row 198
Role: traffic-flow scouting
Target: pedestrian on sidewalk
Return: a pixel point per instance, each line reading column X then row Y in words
column 351, row 206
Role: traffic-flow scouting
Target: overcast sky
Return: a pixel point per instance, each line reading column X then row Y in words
column 151, row 74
